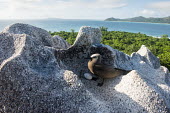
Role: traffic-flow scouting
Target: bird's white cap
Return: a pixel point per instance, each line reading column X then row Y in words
column 95, row 55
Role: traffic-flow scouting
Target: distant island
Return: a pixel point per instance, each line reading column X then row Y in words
column 142, row 19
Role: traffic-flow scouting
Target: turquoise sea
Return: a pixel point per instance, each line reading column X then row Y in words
column 152, row 29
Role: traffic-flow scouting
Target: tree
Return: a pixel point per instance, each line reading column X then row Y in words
column 165, row 60
column 164, row 36
column 72, row 30
column 103, row 28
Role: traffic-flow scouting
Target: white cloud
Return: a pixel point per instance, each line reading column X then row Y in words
column 24, row 1
column 108, row 4
column 147, row 12
column 161, row 8
column 58, row 8
column 164, row 5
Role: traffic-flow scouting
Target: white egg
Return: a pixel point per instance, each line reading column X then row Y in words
column 88, row 76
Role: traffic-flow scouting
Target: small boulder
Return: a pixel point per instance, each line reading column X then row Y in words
column 149, row 57
column 88, row 36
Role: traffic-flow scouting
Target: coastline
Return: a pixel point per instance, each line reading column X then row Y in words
column 151, row 29
column 138, row 22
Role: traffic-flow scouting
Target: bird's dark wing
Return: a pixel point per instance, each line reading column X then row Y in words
column 107, row 71
column 101, row 67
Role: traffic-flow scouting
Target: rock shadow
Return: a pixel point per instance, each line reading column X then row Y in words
column 74, row 58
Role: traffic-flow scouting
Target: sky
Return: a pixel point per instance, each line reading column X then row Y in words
column 83, row 9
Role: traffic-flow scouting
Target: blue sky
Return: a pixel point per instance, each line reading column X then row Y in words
column 82, row 9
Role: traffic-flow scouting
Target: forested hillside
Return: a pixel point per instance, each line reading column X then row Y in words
column 142, row 19
column 129, row 42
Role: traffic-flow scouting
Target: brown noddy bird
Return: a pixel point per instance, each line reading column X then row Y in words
column 101, row 70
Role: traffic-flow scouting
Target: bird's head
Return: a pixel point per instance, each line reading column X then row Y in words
column 96, row 58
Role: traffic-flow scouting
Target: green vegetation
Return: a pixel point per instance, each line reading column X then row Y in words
column 70, row 37
column 129, row 42
column 142, row 19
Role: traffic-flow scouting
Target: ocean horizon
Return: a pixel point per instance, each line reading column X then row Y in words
column 56, row 25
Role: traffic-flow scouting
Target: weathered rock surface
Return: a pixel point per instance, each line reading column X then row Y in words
column 40, row 73
column 59, row 43
column 39, row 34
column 88, row 36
